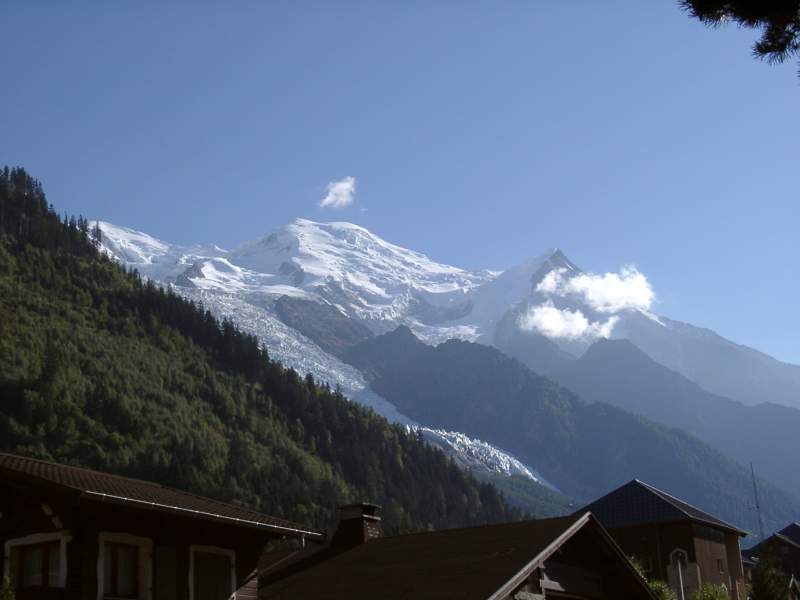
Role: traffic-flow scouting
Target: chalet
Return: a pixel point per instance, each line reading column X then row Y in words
column 674, row 541
column 784, row 546
column 72, row 533
column 568, row 557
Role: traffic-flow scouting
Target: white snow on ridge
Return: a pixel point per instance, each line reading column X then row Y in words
column 475, row 453
column 343, row 261
column 341, row 264
column 130, row 246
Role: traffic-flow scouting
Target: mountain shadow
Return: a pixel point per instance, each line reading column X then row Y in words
column 617, row 372
column 585, row 449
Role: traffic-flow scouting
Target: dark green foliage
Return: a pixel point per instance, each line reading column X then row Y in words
column 662, row 590
column 6, row 593
column 778, row 20
column 709, row 591
column 101, row 369
column 585, row 449
column 769, row 580
column 528, row 495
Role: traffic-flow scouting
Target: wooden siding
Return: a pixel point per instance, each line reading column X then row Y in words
column 705, row 548
column 22, row 514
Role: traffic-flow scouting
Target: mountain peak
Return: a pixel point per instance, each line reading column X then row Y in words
column 617, row 349
column 556, row 259
column 303, row 223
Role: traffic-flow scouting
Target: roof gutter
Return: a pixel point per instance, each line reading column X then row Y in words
column 292, row 530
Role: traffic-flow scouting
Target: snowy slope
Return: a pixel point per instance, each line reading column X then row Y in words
column 383, row 285
column 243, row 285
column 474, row 453
column 362, row 274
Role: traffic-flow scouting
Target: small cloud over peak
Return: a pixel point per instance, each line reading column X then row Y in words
column 567, row 324
column 339, row 194
column 608, row 293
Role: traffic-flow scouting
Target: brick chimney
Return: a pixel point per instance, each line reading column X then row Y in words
column 358, row 524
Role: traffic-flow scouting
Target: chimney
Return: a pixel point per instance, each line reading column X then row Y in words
column 358, row 524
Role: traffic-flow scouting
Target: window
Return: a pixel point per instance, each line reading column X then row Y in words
column 121, row 570
column 124, row 566
column 36, row 566
column 720, row 565
column 212, row 573
column 37, row 561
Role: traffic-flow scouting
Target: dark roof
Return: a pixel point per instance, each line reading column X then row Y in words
column 638, row 503
column 483, row 562
column 788, row 535
column 792, row 533
column 135, row 492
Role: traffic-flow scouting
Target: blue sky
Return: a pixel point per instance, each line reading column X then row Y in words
column 479, row 133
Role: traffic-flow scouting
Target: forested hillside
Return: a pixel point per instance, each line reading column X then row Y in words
column 585, row 449
column 101, row 369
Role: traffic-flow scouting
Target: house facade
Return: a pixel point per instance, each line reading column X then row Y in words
column 564, row 558
column 72, row 533
column 673, row 540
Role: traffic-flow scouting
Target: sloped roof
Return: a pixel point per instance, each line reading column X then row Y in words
column 138, row 493
column 792, row 533
column 485, row 562
column 638, row 503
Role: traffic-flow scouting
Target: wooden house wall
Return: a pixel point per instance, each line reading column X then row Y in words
column 709, row 556
column 652, row 545
column 643, row 543
column 678, row 535
column 86, row 519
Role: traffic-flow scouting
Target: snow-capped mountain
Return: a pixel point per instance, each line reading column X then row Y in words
column 381, row 285
column 338, row 264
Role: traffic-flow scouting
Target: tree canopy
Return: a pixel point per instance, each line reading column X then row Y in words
column 778, row 20
column 101, row 369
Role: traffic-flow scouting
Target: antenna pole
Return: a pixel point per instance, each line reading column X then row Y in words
column 758, row 504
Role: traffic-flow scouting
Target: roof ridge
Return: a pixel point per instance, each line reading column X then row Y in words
column 473, row 527
column 786, row 538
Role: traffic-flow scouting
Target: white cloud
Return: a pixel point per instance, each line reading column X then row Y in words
column 608, row 293
column 567, row 324
column 339, row 193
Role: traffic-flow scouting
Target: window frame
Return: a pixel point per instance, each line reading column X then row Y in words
column 40, row 539
column 112, row 560
column 144, row 564
column 194, row 548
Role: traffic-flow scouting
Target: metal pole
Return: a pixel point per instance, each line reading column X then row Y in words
column 758, row 504
column 680, row 579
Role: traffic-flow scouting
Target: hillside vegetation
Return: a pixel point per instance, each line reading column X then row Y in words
column 101, row 369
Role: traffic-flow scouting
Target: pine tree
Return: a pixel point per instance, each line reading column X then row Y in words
column 779, row 21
